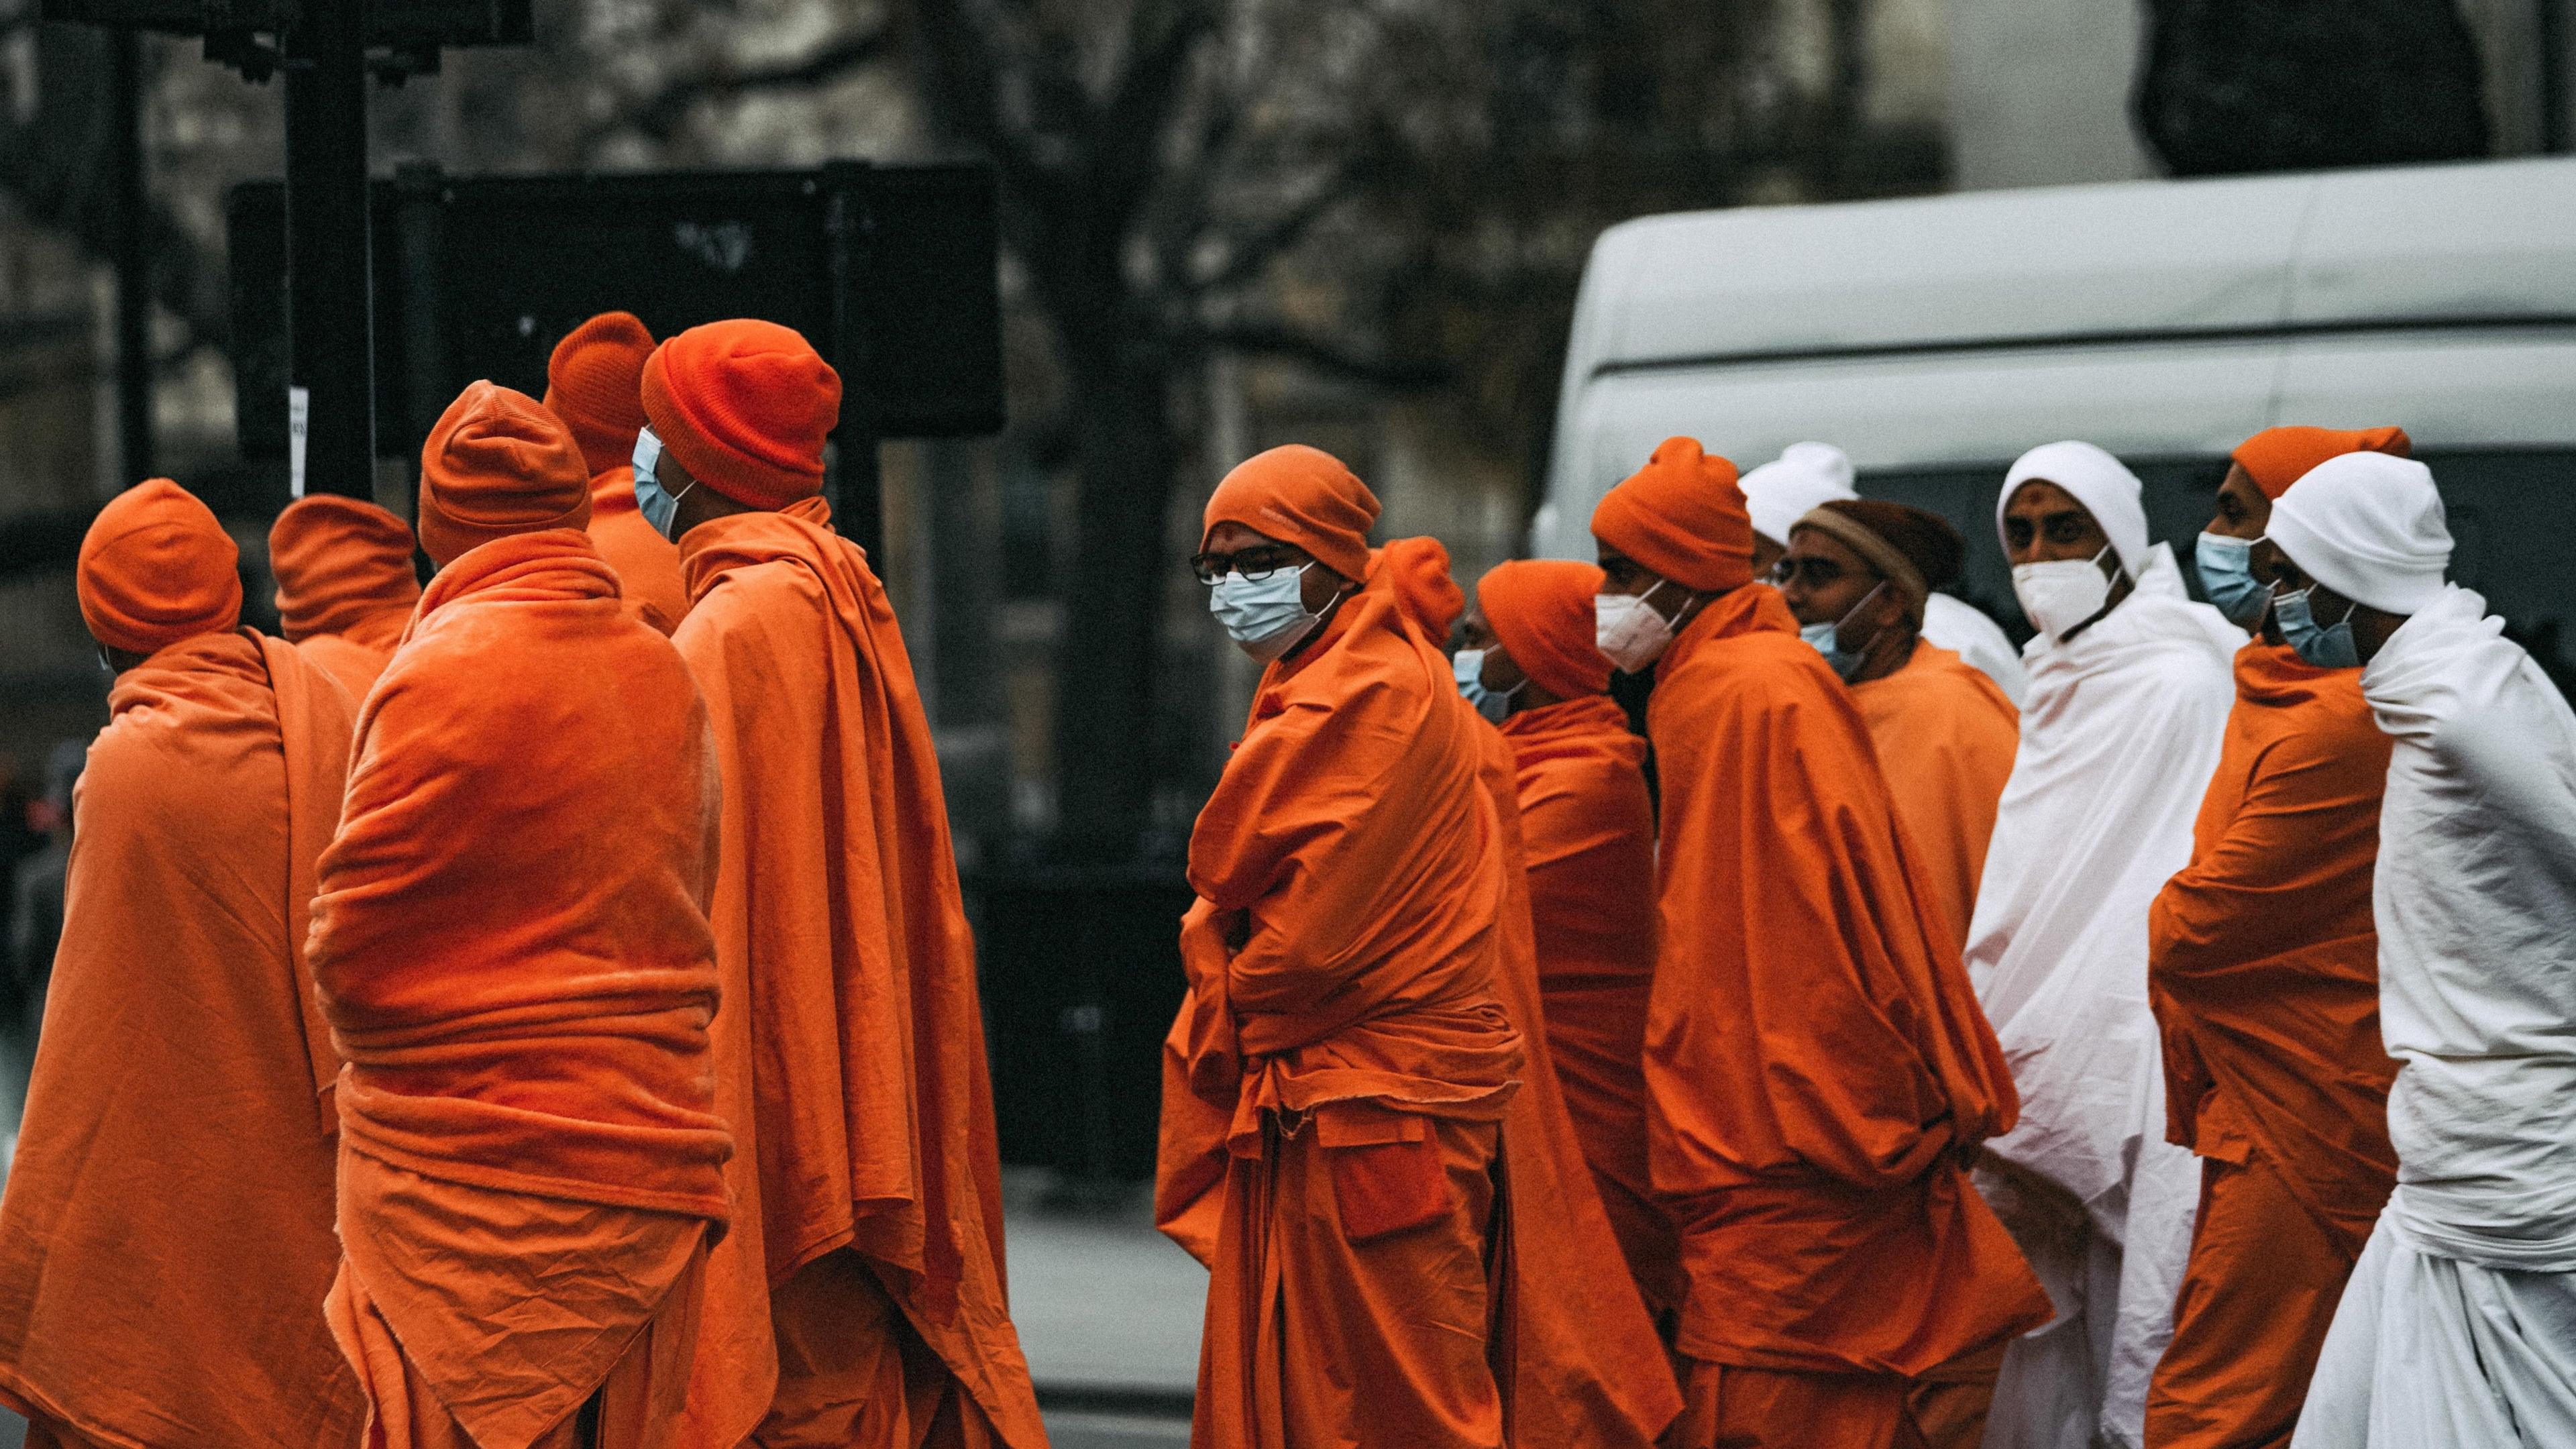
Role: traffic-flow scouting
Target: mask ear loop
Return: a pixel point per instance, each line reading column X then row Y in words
column 1856, row 608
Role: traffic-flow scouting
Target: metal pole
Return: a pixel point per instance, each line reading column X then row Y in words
column 133, row 256
column 858, row 504
column 331, row 353
column 2554, row 62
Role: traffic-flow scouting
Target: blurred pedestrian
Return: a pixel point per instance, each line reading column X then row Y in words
column 1335, row 1082
column 1832, row 1246
column 594, row 382
column 2263, row 970
column 859, row 1301
column 1588, row 840
column 345, row 584
column 511, row 944
column 1582, row 1342
column 2129, row 693
column 165, row 1239
column 37, row 890
column 2459, row 1323
column 1811, row 475
column 1858, row 575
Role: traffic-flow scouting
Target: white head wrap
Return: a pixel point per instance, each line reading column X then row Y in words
column 1779, row 493
column 2368, row 526
column 2092, row 477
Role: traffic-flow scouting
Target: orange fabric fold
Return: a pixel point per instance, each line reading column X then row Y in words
column 1817, row 1068
column 647, row 564
column 1588, row 843
column 854, row 1073
column 511, row 945
column 345, row 585
column 1945, row 735
column 2264, row 975
column 165, row 1240
column 2275, row 458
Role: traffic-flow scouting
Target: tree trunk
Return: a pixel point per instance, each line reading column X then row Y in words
column 1104, row 712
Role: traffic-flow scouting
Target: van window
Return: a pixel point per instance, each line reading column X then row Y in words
column 2512, row 513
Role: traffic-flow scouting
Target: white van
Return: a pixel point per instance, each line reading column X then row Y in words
column 1935, row 339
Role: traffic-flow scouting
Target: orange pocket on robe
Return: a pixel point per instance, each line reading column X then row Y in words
column 1388, row 1176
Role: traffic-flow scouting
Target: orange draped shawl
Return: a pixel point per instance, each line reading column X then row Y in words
column 1817, row 1069
column 1588, row 838
column 1945, row 736
column 166, row 1236
column 511, row 945
column 854, row 1070
column 2263, row 963
column 647, row 564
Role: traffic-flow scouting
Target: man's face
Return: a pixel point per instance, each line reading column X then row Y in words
column 2044, row 524
column 1500, row 672
column 1822, row 579
column 1626, row 575
column 2243, row 511
column 1766, row 554
column 1236, row 547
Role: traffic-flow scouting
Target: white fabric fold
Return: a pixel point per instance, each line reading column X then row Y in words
column 2119, row 736
column 1964, row 630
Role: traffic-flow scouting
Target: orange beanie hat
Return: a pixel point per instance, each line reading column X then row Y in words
column 1541, row 610
column 594, row 382
column 1303, row 496
column 1418, row 570
column 2275, row 458
column 1682, row 516
column 156, row 568
column 745, row 406
column 338, row 562
column 497, row 464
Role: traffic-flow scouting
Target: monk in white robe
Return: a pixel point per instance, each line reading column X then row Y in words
column 2130, row 684
column 2459, row 1324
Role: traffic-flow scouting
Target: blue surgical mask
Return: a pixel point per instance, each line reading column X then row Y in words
column 1493, row 704
column 2227, row 576
column 660, row 506
column 2327, row 646
column 1827, row 637
column 1267, row 615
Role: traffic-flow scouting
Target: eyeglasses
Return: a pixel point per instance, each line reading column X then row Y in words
column 1817, row 573
column 1252, row 563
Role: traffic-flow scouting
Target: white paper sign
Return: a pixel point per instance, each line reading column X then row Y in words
column 299, row 406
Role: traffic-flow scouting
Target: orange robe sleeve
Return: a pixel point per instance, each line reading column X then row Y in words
column 1945, row 735
column 1588, row 837
column 647, row 564
column 512, row 950
column 165, row 1240
column 855, row 1073
column 1815, row 1060
column 356, row 654
column 2264, row 966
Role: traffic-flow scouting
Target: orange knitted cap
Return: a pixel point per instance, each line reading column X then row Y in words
column 745, row 406
column 497, row 464
column 1302, row 496
column 1683, row 517
column 594, row 383
column 338, row 562
column 156, row 568
column 1541, row 610
column 2275, row 458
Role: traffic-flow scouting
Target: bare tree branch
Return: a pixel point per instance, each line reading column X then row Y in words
column 1276, row 339
column 661, row 116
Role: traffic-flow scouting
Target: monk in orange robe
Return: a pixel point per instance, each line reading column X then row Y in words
column 345, row 586
column 860, row 1300
column 2264, row 975
column 1588, row 842
column 1339, row 1086
column 511, row 945
column 1858, row 575
column 593, row 382
column 1579, row 1333
column 165, row 1240
column 1817, row 1070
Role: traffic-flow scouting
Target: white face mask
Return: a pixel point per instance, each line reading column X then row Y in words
column 1266, row 616
column 2063, row 593
column 1628, row 631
